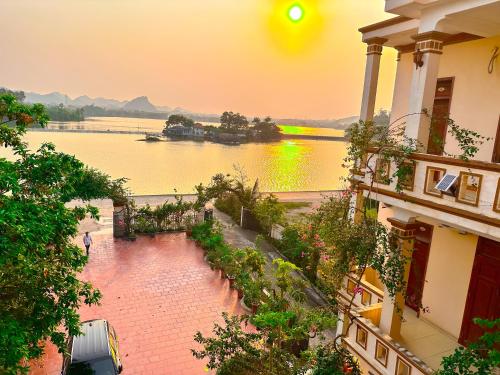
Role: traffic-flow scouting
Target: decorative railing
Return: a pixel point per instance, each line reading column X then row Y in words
column 378, row 352
column 474, row 196
column 365, row 294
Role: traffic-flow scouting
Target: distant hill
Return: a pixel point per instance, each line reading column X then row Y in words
column 85, row 100
column 141, row 104
column 142, row 107
column 54, row 98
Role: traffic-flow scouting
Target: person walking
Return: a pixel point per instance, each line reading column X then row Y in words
column 87, row 241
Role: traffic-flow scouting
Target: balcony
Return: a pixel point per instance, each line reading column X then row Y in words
column 418, row 350
column 473, row 206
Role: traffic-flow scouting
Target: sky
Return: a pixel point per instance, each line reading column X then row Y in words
column 203, row 55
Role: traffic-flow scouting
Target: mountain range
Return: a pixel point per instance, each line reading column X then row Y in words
column 142, row 104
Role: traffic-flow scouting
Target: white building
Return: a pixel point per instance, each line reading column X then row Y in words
column 448, row 63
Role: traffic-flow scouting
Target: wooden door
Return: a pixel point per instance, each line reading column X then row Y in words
column 483, row 298
column 496, row 148
column 418, row 267
column 440, row 114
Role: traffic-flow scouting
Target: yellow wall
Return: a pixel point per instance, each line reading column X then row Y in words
column 448, row 273
column 447, row 278
column 475, row 103
column 372, row 277
column 476, row 94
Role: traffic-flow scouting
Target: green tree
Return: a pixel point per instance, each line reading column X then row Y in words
column 479, row 358
column 62, row 113
column 269, row 212
column 40, row 292
column 267, row 129
column 179, row 119
column 230, row 342
column 233, row 122
column 18, row 94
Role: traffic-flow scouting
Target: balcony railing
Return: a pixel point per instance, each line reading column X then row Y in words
column 367, row 294
column 475, row 196
column 378, row 351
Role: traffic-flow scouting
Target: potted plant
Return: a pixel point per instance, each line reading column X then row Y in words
column 227, row 264
column 306, row 324
column 236, row 266
column 188, row 224
column 219, row 256
column 252, row 295
column 240, row 282
column 254, row 261
column 118, row 193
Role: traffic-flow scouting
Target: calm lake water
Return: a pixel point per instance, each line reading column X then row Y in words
column 161, row 167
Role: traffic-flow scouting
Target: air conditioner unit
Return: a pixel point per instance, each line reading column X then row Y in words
column 448, row 184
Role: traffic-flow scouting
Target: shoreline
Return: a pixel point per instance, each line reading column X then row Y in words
column 170, row 139
column 105, row 206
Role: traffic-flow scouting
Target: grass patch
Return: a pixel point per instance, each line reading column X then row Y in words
column 294, row 205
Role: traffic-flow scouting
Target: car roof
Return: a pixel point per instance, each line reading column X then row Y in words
column 92, row 343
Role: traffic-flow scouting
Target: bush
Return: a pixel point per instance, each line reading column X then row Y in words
column 293, row 247
column 230, row 205
column 268, row 212
column 479, row 358
column 229, row 341
column 335, row 362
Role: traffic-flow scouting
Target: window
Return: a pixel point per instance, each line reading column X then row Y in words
column 402, row 368
column 408, row 168
column 351, row 285
column 469, row 185
column 366, row 298
column 432, row 177
column 361, row 336
column 496, row 203
column 381, row 353
column 382, row 171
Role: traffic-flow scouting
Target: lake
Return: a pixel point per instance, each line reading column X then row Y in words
column 161, row 167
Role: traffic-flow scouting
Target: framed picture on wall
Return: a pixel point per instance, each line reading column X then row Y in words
column 469, row 188
column 496, row 203
column 432, row 176
column 382, row 171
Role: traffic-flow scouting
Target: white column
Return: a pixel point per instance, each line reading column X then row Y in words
column 392, row 308
column 428, row 50
column 373, row 54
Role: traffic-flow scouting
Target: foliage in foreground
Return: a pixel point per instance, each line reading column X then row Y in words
column 332, row 361
column 230, row 340
column 283, row 325
column 479, row 358
column 237, row 350
column 39, row 289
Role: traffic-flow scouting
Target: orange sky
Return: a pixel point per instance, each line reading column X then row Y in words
column 203, row 55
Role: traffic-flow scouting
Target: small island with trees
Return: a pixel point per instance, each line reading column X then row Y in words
column 234, row 129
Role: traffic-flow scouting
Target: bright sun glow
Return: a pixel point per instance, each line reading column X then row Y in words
column 295, row 13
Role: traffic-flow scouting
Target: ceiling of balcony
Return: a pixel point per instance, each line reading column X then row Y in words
column 483, row 21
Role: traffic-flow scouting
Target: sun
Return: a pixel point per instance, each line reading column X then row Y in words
column 295, row 13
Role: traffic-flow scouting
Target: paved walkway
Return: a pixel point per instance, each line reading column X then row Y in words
column 157, row 292
column 239, row 237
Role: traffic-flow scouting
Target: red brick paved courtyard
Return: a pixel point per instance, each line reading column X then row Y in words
column 157, row 292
